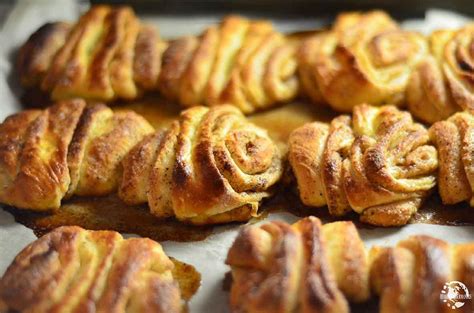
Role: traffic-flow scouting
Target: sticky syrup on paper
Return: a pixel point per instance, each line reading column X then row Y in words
column 109, row 213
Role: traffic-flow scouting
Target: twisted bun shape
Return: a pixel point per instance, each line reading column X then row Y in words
column 309, row 267
column 210, row 166
column 454, row 139
column 410, row 277
column 443, row 83
column 75, row 270
column 364, row 58
column 106, row 55
column 242, row 62
column 379, row 163
column 109, row 54
column 305, row 267
column 67, row 149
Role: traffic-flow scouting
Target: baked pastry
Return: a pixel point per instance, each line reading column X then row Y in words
column 106, row 55
column 66, row 149
column 97, row 59
column 109, row 54
column 378, row 163
column 36, row 55
column 210, row 166
column 442, row 83
column 309, row 267
column 306, row 267
column 245, row 63
column 364, row 58
column 75, row 270
column 454, row 139
column 412, row 276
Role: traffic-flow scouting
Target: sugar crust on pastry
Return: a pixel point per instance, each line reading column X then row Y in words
column 75, row 270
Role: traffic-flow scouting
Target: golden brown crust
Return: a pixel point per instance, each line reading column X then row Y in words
column 64, row 150
column 34, row 153
column 306, row 148
column 392, row 166
column 331, row 267
column 105, row 138
column 443, row 83
column 428, row 98
column 463, row 268
column 379, row 163
column 137, row 166
column 364, row 58
column 35, row 56
column 306, row 267
column 347, row 259
column 75, row 270
column 147, row 62
column 410, row 276
column 210, row 166
column 241, row 62
column 454, row 141
column 108, row 54
column 70, row 64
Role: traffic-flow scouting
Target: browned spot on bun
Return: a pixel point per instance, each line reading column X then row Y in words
column 87, row 271
column 36, row 54
column 378, row 163
column 305, row 267
column 363, row 58
column 210, row 166
column 67, row 149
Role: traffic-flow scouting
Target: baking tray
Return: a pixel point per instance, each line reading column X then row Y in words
column 208, row 255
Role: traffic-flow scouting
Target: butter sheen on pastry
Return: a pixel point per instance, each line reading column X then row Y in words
column 364, row 58
column 37, row 53
column 210, row 166
column 108, row 54
column 314, row 268
column 305, row 267
column 378, row 163
column 75, row 270
column 67, row 149
column 241, row 62
column 454, row 139
column 410, row 276
column 443, row 83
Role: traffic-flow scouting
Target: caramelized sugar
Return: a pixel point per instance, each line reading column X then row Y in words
column 288, row 201
column 160, row 113
column 281, row 121
column 110, row 213
column 189, row 279
column 433, row 211
column 372, row 305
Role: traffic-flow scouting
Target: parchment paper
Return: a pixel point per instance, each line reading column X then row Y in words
column 207, row 256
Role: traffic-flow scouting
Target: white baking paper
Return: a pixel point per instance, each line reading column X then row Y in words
column 207, row 256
